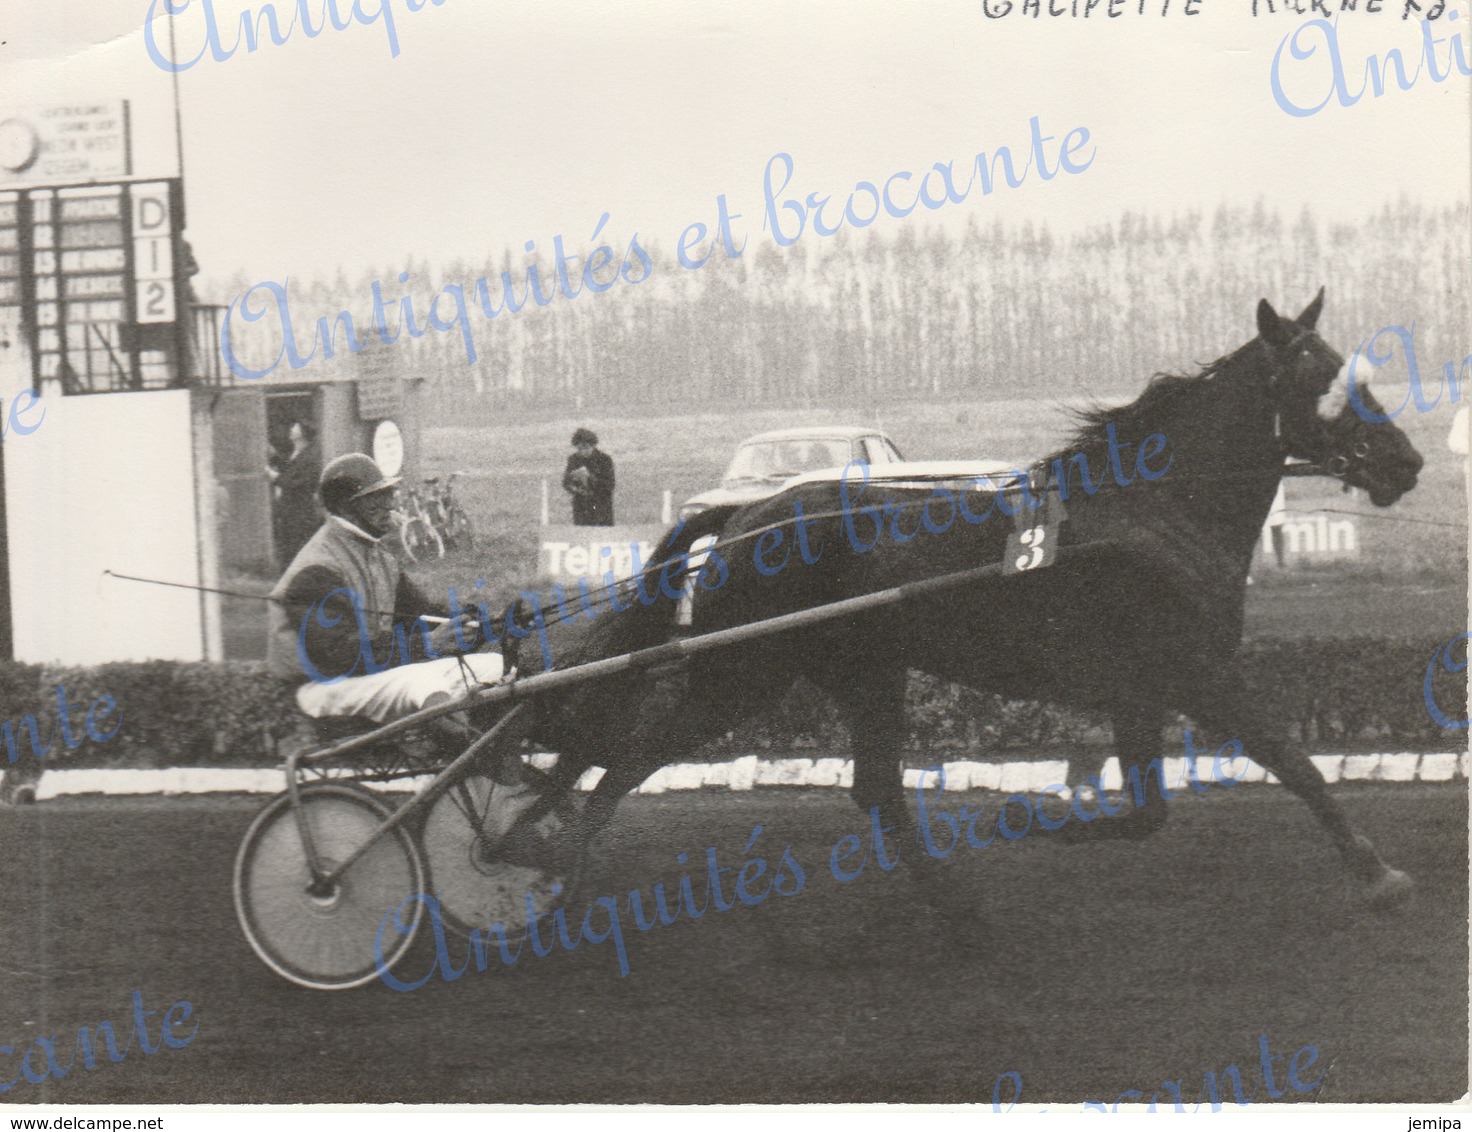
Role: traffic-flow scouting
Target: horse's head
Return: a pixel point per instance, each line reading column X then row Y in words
column 1318, row 423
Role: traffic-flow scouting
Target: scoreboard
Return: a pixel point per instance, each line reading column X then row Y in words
column 92, row 275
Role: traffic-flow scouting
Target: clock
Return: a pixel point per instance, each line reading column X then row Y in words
column 19, row 145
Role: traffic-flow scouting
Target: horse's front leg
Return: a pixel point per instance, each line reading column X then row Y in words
column 1225, row 710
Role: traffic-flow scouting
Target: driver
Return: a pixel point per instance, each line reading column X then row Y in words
column 333, row 614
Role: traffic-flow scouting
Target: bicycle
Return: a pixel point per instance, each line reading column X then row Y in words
column 416, row 528
column 446, row 514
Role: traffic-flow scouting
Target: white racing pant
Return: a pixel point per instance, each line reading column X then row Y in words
column 401, row 690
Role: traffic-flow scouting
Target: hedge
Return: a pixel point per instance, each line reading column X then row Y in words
column 173, row 713
column 1337, row 694
column 1340, row 694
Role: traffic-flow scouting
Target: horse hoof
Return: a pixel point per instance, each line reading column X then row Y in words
column 1390, row 890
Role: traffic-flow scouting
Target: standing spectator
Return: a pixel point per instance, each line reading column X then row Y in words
column 297, row 516
column 278, row 452
column 589, row 479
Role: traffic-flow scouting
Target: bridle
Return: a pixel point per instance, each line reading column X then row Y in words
column 1339, row 465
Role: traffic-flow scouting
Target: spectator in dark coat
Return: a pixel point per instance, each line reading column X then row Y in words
column 589, row 479
column 297, row 515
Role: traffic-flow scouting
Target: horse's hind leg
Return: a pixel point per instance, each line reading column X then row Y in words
column 1137, row 723
column 599, row 808
column 1137, row 728
column 1225, row 711
column 669, row 723
column 873, row 706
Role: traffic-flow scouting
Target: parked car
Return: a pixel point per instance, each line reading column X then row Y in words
column 766, row 463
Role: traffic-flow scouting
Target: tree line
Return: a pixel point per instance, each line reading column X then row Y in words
column 996, row 311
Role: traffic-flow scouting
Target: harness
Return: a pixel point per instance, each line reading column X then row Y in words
column 1338, row 465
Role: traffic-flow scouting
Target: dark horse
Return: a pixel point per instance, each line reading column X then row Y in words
column 1141, row 613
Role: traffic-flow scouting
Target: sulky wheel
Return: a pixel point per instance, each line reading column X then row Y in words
column 482, row 876
column 325, row 939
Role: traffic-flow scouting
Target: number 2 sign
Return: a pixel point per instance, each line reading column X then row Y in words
column 155, row 300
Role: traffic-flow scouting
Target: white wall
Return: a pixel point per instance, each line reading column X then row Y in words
column 106, row 482
column 15, row 354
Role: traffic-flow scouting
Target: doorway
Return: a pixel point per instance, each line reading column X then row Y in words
column 294, row 457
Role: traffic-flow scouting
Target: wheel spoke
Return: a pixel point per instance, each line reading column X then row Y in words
column 325, row 937
column 475, row 884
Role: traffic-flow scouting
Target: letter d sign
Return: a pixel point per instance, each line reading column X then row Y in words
column 151, row 209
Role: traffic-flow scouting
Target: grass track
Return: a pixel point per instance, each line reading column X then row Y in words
column 1110, row 967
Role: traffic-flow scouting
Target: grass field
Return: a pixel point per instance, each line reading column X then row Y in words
column 687, row 453
column 1410, row 577
column 1087, row 970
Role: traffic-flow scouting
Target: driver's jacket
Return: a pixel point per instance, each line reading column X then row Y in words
column 333, row 612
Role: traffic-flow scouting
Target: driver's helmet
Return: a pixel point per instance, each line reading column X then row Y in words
column 352, row 477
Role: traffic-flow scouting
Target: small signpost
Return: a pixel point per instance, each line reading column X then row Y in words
column 67, row 143
column 569, row 553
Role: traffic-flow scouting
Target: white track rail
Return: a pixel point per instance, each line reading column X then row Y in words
column 750, row 772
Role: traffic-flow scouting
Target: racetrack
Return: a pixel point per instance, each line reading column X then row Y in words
column 1109, row 967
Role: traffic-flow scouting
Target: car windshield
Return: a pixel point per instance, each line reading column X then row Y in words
column 881, row 451
column 778, row 459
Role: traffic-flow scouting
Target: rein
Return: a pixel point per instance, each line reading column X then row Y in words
column 556, row 612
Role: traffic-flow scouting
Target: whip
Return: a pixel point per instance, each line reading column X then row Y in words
column 253, row 597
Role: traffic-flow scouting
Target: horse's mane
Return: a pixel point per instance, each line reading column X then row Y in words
column 1143, row 414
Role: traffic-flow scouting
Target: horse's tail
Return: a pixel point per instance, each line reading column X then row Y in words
column 598, row 622
column 683, row 535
